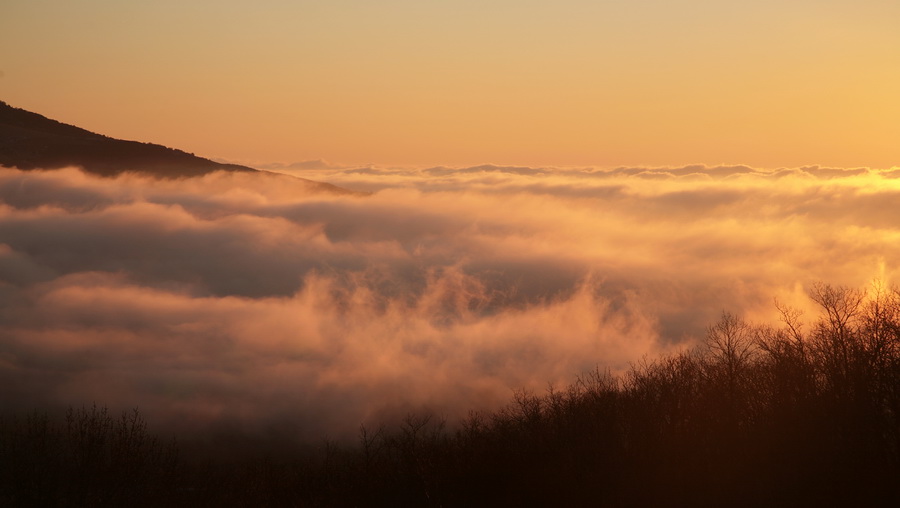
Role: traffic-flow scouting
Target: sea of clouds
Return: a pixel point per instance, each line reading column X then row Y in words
column 263, row 300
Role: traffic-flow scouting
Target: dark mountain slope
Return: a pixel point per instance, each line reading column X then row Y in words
column 30, row 141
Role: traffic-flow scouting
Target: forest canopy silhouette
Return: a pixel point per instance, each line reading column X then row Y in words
column 800, row 414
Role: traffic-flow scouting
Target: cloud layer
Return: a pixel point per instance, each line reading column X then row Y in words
column 259, row 300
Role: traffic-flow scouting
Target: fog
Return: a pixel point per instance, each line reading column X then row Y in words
column 260, row 301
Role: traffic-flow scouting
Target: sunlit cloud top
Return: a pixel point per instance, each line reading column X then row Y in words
column 250, row 298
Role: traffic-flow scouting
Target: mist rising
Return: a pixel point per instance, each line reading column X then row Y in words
column 255, row 301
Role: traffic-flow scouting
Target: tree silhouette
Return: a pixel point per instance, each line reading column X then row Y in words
column 800, row 414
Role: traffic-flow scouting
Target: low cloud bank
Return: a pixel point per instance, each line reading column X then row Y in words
column 260, row 301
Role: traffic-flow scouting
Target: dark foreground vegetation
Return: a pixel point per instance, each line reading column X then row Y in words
column 799, row 415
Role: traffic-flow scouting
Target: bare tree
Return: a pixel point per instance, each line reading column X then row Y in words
column 836, row 338
column 731, row 342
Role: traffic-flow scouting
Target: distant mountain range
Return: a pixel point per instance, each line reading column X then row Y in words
column 32, row 141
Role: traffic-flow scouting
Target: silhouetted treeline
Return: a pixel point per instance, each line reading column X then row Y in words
column 796, row 415
column 91, row 458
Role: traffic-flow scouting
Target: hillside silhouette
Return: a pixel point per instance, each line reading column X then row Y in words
column 30, row 141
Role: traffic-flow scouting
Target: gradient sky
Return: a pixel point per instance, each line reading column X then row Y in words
column 568, row 82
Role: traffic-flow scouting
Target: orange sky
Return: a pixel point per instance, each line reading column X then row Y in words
column 569, row 82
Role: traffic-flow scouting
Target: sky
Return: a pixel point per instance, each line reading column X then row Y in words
column 596, row 83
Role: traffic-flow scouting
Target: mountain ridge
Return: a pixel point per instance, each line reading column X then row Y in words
column 31, row 141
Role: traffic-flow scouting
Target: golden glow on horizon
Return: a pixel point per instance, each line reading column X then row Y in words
column 656, row 82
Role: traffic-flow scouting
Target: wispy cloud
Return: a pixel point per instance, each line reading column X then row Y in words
column 252, row 299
